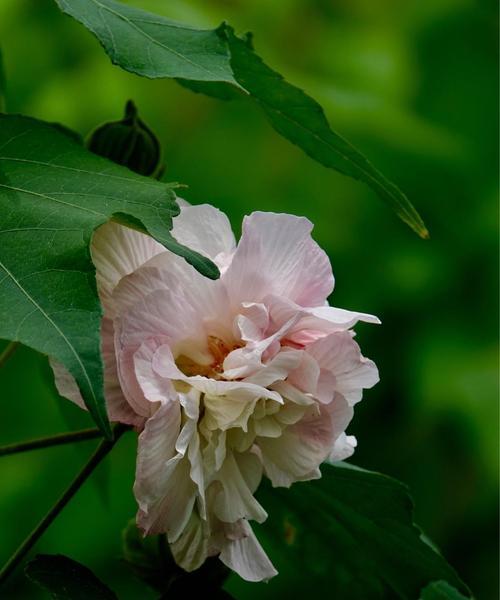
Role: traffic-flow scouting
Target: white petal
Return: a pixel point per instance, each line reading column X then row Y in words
column 290, row 392
column 245, row 361
column 276, row 255
column 163, row 486
column 252, row 322
column 207, row 230
column 118, row 251
column 190, row 550
column 343, row 448
column 164, row 364
column 278, row 368
column 291, row 458
column 153, row 387
column 236, row 501
column 246, row 557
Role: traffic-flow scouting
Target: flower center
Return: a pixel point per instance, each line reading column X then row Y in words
column 214, row 369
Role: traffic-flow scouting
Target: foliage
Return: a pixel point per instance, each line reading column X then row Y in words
column 53, row 195
column 437, row 431
column 66, row 579
column 364, row 521
column 153, row 46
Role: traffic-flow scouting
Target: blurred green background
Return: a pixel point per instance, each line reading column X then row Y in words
column 414, row 84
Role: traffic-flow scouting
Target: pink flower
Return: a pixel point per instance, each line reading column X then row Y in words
column 226, row 380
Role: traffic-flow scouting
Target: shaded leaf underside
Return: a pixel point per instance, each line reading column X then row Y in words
column 65, row 579
column 351, row 533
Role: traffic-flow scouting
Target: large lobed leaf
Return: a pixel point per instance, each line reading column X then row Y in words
column 350, row 533
column 211, row 61
column 53, row 195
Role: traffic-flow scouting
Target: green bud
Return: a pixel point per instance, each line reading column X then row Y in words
column 128, row 142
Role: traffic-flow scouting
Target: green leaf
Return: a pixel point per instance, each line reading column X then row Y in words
column 214, row 62
column 301, row 120
column 2, row 84
column 66, row 579
column 151, row 45
column 53, row 194
column 440, row 590
column 142, row 555
column 350, row 532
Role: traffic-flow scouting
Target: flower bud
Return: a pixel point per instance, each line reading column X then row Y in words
column 128, row 142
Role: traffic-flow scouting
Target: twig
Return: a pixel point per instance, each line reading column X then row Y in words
column 102, row 450
column 54, row 440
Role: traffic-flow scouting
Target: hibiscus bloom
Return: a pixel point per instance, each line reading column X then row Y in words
column 253, row 374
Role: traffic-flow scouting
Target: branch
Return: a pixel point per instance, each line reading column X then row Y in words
column 54, row 440
column 102, row 450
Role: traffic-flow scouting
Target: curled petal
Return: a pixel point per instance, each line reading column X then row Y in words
column 246, row 557
column 339, row 355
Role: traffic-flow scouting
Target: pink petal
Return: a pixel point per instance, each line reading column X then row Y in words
column 339, row 355
column 276, row 255
column 118, row 407
column 312, row 323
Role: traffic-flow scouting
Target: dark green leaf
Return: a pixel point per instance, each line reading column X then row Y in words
column 2, row 84
column 151, row 45
column 142, row 555
column 66, row 579
column 351, row 533
column 440, row 590
column 214, row 62
column 53, row 194
column 221, row 91
column 301, row 120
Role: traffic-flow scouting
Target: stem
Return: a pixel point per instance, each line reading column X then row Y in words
column 54, row 440
column 102, row 450
column 8, row 352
